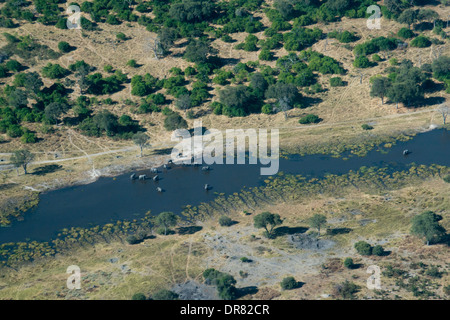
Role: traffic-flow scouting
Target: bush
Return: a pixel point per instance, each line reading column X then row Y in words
column 378, row 250
column 265, row 55
column 346, row 290
column 13, row 65
column 348, row 263
column 132, row 63
column 310, row 118
column 363, row 248
column 420, row 42
column 225, row 221
column 288, row 283
column 336, row 82
column 376, row 58
column 64, row 46
column 174, row 121
column 362, row 62
column 267, row 109
column 366, row 127
column 28, row 137
column 405, row 33
column 121, row 36
column 138, row 296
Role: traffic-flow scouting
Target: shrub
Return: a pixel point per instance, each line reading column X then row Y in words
column 336, row 82
column 310, row 118
column 366, row 127
column 108, row 68
column 28, row 137
column 138, row 296
column 362, row 62
column 346, row 290
column 267, row 109
column 420, row 42
column 121, row 36
column 225, row 221
column 266, row 55
column 64, row 46
column 348, row 263
column 376, row 58
column 393, row 62
column 174, row 121
column 363, row 248
column 13, row 65
column 132, row 63
column 288, row 283
column 405, row 33
column 378, row 250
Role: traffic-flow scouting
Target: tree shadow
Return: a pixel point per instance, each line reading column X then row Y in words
column 336, row 231
column 241, row 292
column 356, row 266
column 423, row 26
column 283, row 231
column 42, row 171
column 310, row 101
column 6, row 186
column 189, row 230
column 165, row 151
column 430, row 86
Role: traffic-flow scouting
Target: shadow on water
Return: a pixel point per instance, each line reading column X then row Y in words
column 110, row 199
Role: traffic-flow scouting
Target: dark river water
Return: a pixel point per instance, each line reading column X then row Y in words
column 111, row 199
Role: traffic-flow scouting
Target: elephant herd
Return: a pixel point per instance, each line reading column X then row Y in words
column 156, row 178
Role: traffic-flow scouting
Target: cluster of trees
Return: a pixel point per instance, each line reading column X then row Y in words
column 344, row 36
column 366, row 249
column 105, row 122
column 375, row 45
column 224, row 282
column 404, row 84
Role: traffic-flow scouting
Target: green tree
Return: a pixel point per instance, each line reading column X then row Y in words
column 289, row 283
column 138, row 296
column 141, row 139
column 184, row 102
column 54, row 110
column 198, row 51
column 33, row 83
column 317, row 221
column 380, row 87
column 22, row 158
column 268, row 221
column 348, row 263
column 166, row 220
column 408, row 17
column 174, row 121
column 363, row 248
column 64, row 46
column 225, row 221
column 426, row 225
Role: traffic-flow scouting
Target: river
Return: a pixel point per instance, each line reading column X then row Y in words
column 111, row 199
